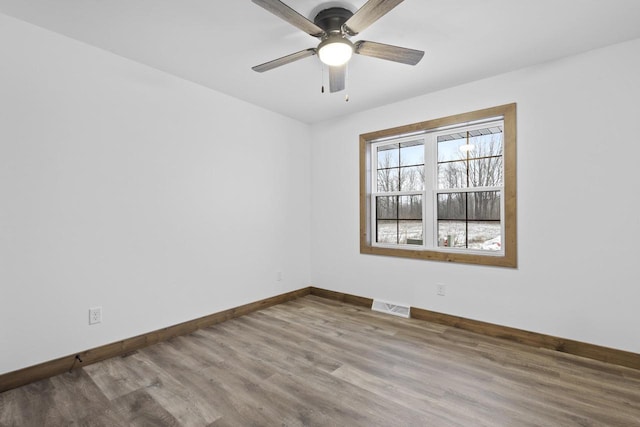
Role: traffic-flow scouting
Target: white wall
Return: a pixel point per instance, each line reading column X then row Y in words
column 578, row 227
column 126, row 188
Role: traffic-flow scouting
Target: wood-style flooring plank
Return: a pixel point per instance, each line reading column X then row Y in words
column 179, row 395
column 119, row 376
column 139, row 409
column 76, row 395
column 32, row 404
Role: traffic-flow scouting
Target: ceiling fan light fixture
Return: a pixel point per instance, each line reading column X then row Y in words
column 335, row 51
column 333, row 26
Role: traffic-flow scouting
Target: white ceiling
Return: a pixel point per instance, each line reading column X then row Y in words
column 216, row 42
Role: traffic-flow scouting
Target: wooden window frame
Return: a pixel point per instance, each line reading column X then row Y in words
column 509, row 256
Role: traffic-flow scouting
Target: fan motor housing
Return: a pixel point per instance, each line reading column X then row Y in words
column 331, row 19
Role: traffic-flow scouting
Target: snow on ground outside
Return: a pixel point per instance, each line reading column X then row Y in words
column 482, row 235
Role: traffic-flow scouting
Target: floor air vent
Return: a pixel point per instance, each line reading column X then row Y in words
column 391, row 308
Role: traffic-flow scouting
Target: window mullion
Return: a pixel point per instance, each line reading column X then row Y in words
column 429, row 217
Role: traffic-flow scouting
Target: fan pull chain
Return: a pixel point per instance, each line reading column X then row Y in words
column 346, row 83
column 321, row 77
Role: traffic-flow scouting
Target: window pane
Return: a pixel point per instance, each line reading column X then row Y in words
column 387, row 231
column 388, row 156
column 484, row 205
column 485, row 235
column 452, row 206
column 387, row 207
column 485, row 172
column 474, row 144
column 410, row 232
column 452, row 175
column 412, row 153
column 388, row 180
column 410, row 207
column 485, row 146
column 449, row 150
column 480, row 235
column 451, row 234
column 412, row 178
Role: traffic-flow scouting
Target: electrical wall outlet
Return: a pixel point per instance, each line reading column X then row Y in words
column 441, row 289
column 95, row 315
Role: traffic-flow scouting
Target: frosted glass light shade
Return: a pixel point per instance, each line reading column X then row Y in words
column 335, row 51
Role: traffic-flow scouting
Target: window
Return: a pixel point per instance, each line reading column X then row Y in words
column 442, row 189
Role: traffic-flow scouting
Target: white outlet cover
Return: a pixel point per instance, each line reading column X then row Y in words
column 95, row 315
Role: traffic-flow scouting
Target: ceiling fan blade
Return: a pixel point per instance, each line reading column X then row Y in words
column 388, row 52
column 284, row 60
column 283, row 11
column 337, row 78
column 368, row 14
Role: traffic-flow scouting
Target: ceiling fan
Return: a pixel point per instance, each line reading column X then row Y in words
column 334, row 26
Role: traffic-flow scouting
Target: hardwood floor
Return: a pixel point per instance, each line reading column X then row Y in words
column 318, row 362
